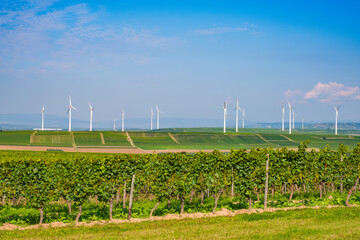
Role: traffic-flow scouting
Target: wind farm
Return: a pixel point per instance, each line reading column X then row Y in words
column 179, row 119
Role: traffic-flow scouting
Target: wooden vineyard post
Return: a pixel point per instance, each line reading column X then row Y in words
column 131, row 196
column 266, row 181
column 341, row 178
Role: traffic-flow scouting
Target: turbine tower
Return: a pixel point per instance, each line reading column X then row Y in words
column 237, row 114
column 243, row 118
column 42, row 118
column 69, row 112
column 293, row 118
column 91, row 116
column 225, row 115
column 283, row 118
column 114, row 124
column 122, row 121
column 336, row 118
column 158, row 117
column 151, row 118
column 290, row 110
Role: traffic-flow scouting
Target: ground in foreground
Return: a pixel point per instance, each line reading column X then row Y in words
column 322, row 223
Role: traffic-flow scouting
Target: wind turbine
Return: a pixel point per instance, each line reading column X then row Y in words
column 336, row 118
column 42, row 118
column 290, row 110
column 69, row 112
column 122, row 121
column 151, row 118
column 243, row 118
column 283, row 118
column 225, row 115
column 91, row 116
column 114, row 124
column 158, row 117
column 302, row 126
column 293, row 118
column 237, row 114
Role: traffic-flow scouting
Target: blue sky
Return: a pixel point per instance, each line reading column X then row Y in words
column 186, row 56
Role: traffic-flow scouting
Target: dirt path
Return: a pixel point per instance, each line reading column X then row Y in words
column 32, row 137
column 130, row 140
column 262, row 138
column 222, row 213
column 173, row 138
column 73, row 140
column 102, row 138
column 287, row 138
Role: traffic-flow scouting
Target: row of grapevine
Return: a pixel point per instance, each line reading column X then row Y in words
column 41, row 178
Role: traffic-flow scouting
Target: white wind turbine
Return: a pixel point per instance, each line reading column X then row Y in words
column 283, row 118
column 243, row 118
column 152, row 114
column 42, row 118
column 114, row 124
column 237, row 114
column 69, row 112
column 293, row 118
column 91, row 116
column 158, row 117
column 290, row 110
column 336, row 119
column 122, row 121
column 225, row 115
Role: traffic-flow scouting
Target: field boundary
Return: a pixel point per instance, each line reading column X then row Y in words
column 73, row 140
column 222, row 213
column 130, row 140
column 102, row 138
column 32, row 137
column 287, row 138
column 263, row 138
column 173, row 138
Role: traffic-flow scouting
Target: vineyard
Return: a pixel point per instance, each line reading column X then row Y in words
column 170, row 139
column 41, row 181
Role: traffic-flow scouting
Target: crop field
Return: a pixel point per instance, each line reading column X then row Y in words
column 116, row 139
column 15, row 137
column 262, row 193
column 56, row 139
column 153, row 140
column 186, row 138
column 87, row 138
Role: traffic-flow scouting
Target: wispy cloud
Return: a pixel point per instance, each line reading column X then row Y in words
column 36, row 33
column 331, row 92
column 246, row 27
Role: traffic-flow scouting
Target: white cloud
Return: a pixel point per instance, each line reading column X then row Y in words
column 35, row 33
column 332, row 92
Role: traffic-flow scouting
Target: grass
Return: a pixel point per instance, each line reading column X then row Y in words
column 153, row 140
column 52, row 139
column 116, row 139
column 87, row 138
column 323, row 223
column 188, row 138
column 15, row 137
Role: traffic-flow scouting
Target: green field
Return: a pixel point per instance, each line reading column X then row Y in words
column 153, row 140
column 184, row 138
column 116, row 139
column 323, row 223
column 15, row 137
